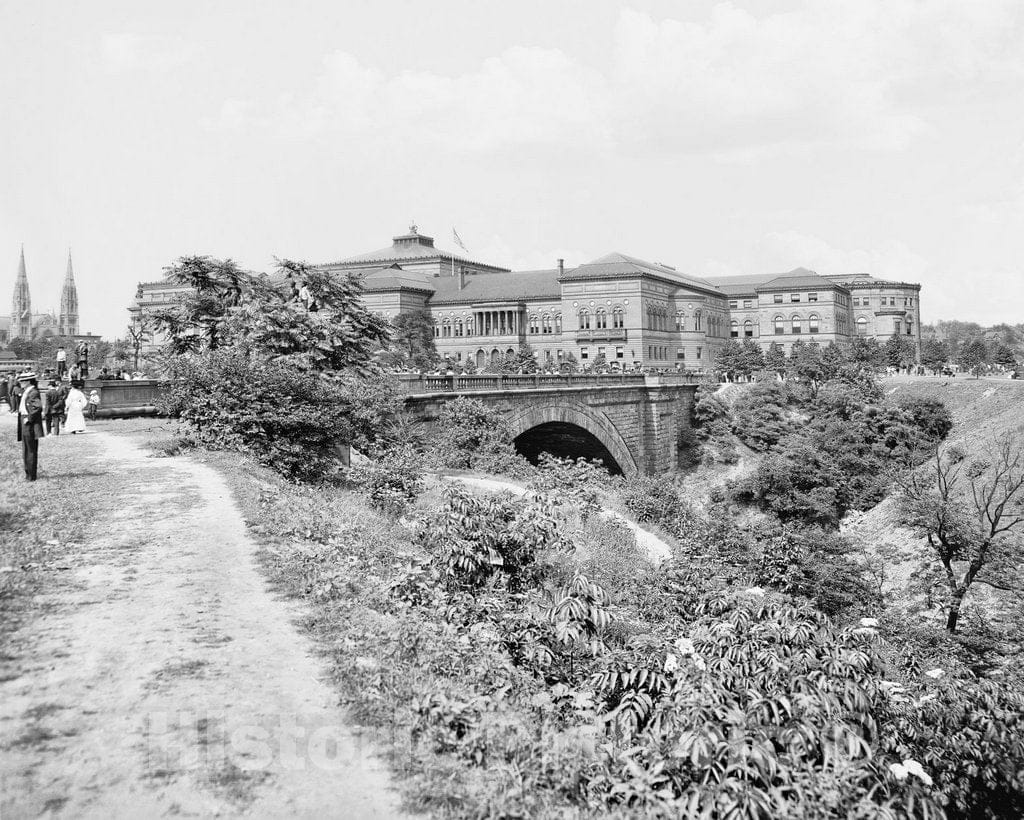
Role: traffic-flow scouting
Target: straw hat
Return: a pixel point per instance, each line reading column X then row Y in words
column 26, row 376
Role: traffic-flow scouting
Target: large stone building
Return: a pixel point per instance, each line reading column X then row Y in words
column 23, row 323
column 629, row 311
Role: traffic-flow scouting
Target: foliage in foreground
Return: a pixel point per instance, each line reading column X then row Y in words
column 515, row 684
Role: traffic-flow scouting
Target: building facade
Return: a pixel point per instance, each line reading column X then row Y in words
column 617, row 308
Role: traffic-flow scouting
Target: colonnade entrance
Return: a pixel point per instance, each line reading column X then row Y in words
column 498, row 322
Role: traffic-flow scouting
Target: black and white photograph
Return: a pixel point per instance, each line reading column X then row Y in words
column 555, row 409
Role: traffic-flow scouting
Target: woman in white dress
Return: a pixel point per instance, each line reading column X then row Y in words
column 74, row 406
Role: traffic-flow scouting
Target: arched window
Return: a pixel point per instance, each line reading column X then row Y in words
column 748, row 329
column 558, row 323
column 534, row 324
column 734, row 329
column 584, row 319
column 780, row 325
column 437, row 329
column 797, row 324
column 697, row 324
column 545, row 323
column 618, row 318
column 680, row 322
column 600, row 319
column 446, row 328
column 862, row 326
column 812, row 323
column 458, row 327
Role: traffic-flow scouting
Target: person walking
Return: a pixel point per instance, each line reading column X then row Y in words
column 30, row 423
column 74, row 406
column 54, row 408
column 14, row 394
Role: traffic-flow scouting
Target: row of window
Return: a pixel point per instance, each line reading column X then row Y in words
column 796, row 325
column 883, row 301
column 600, row 319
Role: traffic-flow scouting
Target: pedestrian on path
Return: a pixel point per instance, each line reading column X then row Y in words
column 54, row 408
column 74, row 406
column 94, row 403
column 30, row 423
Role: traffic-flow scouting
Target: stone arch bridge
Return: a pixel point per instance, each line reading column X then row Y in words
column 630, row 421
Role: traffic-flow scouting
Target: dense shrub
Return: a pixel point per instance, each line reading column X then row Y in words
column 930, row 416
column 470, row 435
column 288, row 420
column 762, row 415
column 475, row 540
column 574, row 483
column 392, row 481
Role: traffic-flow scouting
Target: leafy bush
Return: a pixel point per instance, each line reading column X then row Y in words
column 574, row 483
column 930, row 416
column 391, row 482
column 470, row 435
column 478, row 540
column 761, row 416
column 288, row 420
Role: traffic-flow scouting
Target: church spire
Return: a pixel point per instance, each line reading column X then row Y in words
column 21, row 305
column 67, row 325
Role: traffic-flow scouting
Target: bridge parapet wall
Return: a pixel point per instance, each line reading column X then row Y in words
column 638, row 422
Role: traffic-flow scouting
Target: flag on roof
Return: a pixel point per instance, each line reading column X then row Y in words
column 458, row 240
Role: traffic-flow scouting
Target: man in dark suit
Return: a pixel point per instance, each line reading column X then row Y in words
column 30, row 423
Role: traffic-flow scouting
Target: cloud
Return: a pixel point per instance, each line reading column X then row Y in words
column 735, row 84
column 125, row 52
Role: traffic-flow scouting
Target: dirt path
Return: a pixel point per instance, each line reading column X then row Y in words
column 163, row 678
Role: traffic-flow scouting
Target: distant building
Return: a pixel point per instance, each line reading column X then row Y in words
column 619, row 307
column 24, row 323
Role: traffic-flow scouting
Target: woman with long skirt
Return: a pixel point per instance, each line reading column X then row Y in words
column 74, row 406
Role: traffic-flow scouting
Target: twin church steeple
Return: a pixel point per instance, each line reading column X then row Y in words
column 21, row 304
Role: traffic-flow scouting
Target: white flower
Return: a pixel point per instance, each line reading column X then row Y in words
column 698, row 661
column 755, row 591
column 926, row 698
column 899, row 771
column 869, row 622
column 935, row 674
column 911, row 766
column 685, row 647
column 671, row 663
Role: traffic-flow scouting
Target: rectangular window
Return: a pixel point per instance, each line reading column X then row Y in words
column 746, row 303
column 748, row 331
column 558, row 353
column 600, row 351
column 732, row 304
column 584, row 352
column 892, row 301
column 794, row 297
column 812, row 297
column 699, row 351
column 897, row 326
column 778, row 299
column 681, row 355
column 618, row 352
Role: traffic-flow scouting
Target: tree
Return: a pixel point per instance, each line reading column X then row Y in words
column 1002, row 355
column 729, row 360
column 934, row 354
column 805, row 365
column 775, row 359
column 569, row 364
column 866, row 355
column 752, row 359
column 899, row 352
column 973, row 356
column 412, row 341
column 971, row 515
column 525, row 361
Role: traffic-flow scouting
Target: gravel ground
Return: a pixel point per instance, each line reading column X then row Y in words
column 152, row 672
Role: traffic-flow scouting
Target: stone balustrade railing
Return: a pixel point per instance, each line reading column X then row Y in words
column 414, row 383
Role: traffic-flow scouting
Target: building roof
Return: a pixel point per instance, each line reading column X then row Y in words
column 497, row 287
column 616, row 264
column 393, row 277
column 408, row 247
column 798, row 278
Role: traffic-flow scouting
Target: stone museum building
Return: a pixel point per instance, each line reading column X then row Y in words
column 631, row 312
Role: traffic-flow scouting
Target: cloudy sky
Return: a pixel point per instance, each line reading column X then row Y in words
column 884, row 136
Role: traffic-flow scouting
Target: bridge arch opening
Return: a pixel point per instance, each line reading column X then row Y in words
column 564, row 440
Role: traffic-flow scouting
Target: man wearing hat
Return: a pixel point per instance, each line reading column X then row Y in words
column 30, row 422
